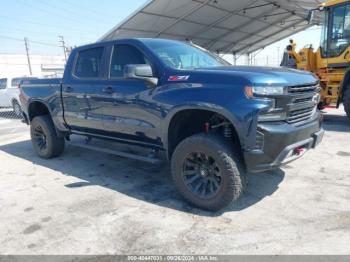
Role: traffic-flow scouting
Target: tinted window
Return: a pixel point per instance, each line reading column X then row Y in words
column 340, row 32
column 16, row 81
column 3, row 83
column 89, row 63
column 125, row 55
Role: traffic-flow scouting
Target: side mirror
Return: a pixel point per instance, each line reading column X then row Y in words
column 141, row 72
column 314, row 15
column 310, row 17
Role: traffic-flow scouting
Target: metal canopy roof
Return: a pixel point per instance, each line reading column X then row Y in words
column 226, row 26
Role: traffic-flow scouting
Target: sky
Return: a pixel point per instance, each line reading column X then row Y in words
column 84, row 21
column 79, row 22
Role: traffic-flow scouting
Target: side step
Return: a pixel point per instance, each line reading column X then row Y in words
column 151, row 160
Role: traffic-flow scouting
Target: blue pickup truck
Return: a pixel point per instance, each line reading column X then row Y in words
column 214, row 122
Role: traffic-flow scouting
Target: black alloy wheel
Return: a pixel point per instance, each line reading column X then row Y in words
column 201, row 175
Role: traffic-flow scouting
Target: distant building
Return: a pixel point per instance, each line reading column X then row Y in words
column 42, row 65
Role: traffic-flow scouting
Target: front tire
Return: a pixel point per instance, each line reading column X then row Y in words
column 44, row 138
column 207, row 172
column 346, row 101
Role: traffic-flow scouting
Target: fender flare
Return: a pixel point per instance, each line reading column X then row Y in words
column 56, row 124
column 31, row 101
column 200, row 106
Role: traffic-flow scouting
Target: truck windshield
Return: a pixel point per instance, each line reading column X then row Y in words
column 185, row 56
column 340, row 34
column 338, row 31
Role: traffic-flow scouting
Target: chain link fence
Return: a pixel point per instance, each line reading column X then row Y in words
column 11, row 113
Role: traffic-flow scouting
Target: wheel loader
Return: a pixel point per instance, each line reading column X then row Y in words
column 331, row 61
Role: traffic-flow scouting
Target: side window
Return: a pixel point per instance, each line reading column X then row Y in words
column 125, row 55
column 89, row 63
column 3, row 83
column 340, row 34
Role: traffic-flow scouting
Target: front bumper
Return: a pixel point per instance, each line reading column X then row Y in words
column 283, row 143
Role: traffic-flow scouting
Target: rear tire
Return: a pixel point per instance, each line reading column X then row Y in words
column 17, row 108
column 44, row 138
column 207, row 172
column 346, row 100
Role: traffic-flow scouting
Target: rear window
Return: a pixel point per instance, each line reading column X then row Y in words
column 89, row 63
column 16, row 81
column 3, row 83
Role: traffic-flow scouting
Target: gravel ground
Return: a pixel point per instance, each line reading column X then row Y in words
column 91, row 203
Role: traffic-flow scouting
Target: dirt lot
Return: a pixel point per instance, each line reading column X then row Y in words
column 90, row 203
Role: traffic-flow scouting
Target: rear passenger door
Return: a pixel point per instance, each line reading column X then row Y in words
column 81, row 110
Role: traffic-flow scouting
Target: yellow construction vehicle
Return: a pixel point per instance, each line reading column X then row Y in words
column 331, row 62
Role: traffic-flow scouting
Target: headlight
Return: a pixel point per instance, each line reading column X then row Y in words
column 268, row 90
column 264, row 90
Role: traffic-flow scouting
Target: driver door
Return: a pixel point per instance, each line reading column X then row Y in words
column 128, row 110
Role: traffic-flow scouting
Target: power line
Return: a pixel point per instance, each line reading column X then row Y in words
column 29, row 41
column 73, row 29
column 86, row 8
column 66, row 17
column 49, row 11
column 63, row 9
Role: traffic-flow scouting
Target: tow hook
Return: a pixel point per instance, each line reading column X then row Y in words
column 299, row 151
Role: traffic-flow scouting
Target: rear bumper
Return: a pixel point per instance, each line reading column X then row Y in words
column 282, row 144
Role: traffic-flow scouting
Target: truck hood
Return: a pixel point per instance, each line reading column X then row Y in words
column 265, row 75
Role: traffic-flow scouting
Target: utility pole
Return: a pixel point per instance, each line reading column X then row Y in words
column 63, row 46
column 28, row 58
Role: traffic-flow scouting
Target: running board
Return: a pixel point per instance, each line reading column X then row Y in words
column 151, row 160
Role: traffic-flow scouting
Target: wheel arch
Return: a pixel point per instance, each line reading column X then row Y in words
column 40, row 108
column 213, row 109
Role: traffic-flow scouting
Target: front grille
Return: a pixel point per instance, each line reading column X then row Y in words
column 303, row 103
column 301, row 115
column 304, row 89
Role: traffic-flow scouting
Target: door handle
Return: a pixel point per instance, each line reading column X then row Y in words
column 108, row 90
column 68, row 89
